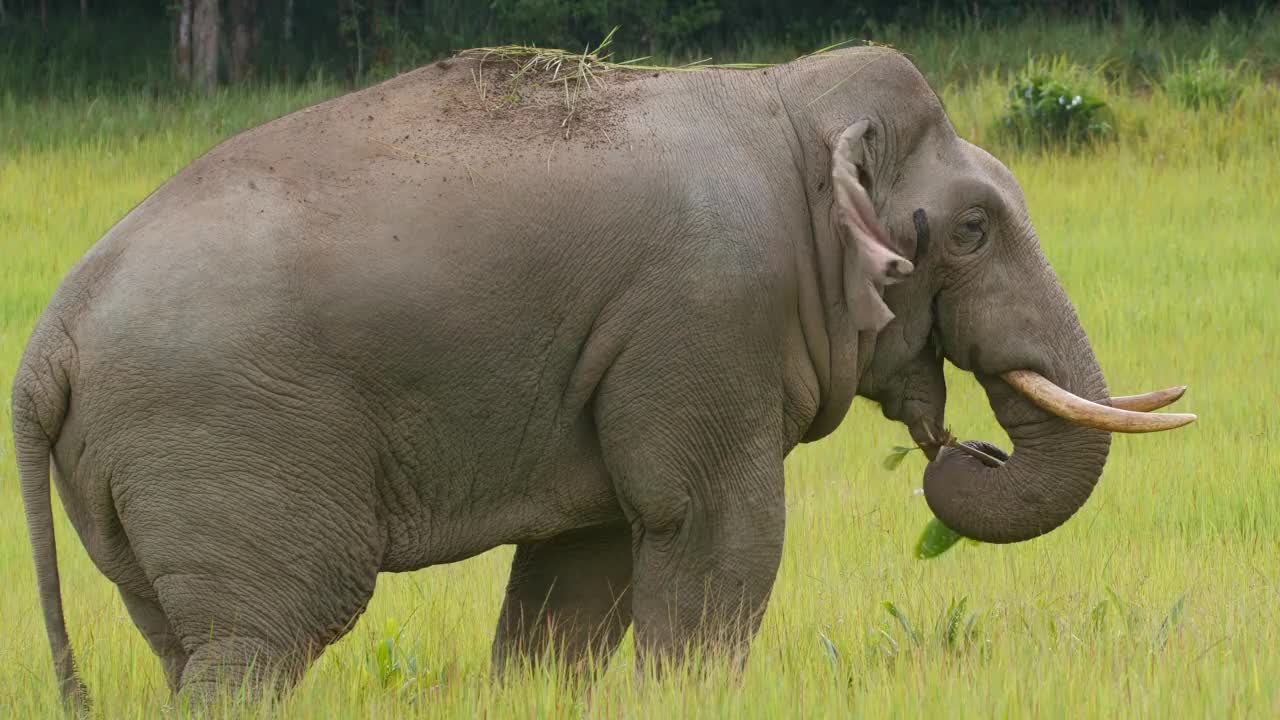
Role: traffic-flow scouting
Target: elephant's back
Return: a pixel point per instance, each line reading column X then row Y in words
column 417, row 211
column 483, row 113
column 480, row 116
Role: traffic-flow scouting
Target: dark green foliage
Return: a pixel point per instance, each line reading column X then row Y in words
column 574, row 24
column 1054, row 104
column 129, row 44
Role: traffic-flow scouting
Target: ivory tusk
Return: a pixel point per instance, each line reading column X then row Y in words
column 1150, row 401
column 1076, row 409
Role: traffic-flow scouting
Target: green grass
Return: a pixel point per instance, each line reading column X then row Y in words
column 1206, row 81
column 1158, row 600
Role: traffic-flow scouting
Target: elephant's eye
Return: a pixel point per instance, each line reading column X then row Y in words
column 971, row 231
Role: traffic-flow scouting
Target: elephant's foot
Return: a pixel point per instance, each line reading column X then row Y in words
column 240, row 669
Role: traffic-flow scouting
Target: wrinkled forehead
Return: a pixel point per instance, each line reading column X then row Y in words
column 946, row 172
column 984, row 167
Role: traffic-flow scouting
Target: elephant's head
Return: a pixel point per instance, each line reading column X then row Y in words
column 942, row 229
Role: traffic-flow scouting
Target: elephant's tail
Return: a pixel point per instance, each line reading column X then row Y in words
column 41, row 396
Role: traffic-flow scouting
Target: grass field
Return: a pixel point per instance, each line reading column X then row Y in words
column 1160, row 599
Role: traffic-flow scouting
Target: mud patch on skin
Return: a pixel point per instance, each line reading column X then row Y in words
column 481, row 115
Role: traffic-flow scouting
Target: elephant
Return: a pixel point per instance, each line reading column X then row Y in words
column 585, row 316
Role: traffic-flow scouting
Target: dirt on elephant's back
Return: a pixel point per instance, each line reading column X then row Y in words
column 488, row 102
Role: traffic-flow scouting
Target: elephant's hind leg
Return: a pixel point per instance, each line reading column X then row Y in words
column 257, row 632
column 150, row 620
column 570, row 592
column 257, row 566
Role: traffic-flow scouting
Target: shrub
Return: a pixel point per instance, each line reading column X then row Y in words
column 1054, row 103
column 1206, row 82
column 396, row 669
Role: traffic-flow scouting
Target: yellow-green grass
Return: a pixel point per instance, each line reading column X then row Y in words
column 1158, row 600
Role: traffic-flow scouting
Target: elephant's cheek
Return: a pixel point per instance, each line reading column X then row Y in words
column 923, row 401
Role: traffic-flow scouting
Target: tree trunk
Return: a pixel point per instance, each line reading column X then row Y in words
column 84, row 9
column 377, row 29
column 351, row 24
column 205, row 26
column 44, row 15
column 288, row 20
column 244, row 38
column 182, row 57
column 3, row 15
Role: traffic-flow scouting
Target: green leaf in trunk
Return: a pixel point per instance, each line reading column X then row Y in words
column 895, row 457
column 935, row 540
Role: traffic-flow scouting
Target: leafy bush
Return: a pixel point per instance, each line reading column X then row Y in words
column 1206, row 82
column 1054, row 103
column 396, row 669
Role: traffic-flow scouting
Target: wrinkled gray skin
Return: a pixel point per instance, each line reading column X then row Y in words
column 368, row 337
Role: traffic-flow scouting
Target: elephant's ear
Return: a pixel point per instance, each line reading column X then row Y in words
column 871, row 262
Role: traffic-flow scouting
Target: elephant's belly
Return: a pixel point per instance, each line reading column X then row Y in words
column 465, row 512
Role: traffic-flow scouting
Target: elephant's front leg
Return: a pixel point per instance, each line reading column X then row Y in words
column 696, row 455
column 703, row 575
column 571, row 591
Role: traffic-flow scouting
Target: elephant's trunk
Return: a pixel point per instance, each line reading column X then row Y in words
column 1053, row 468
